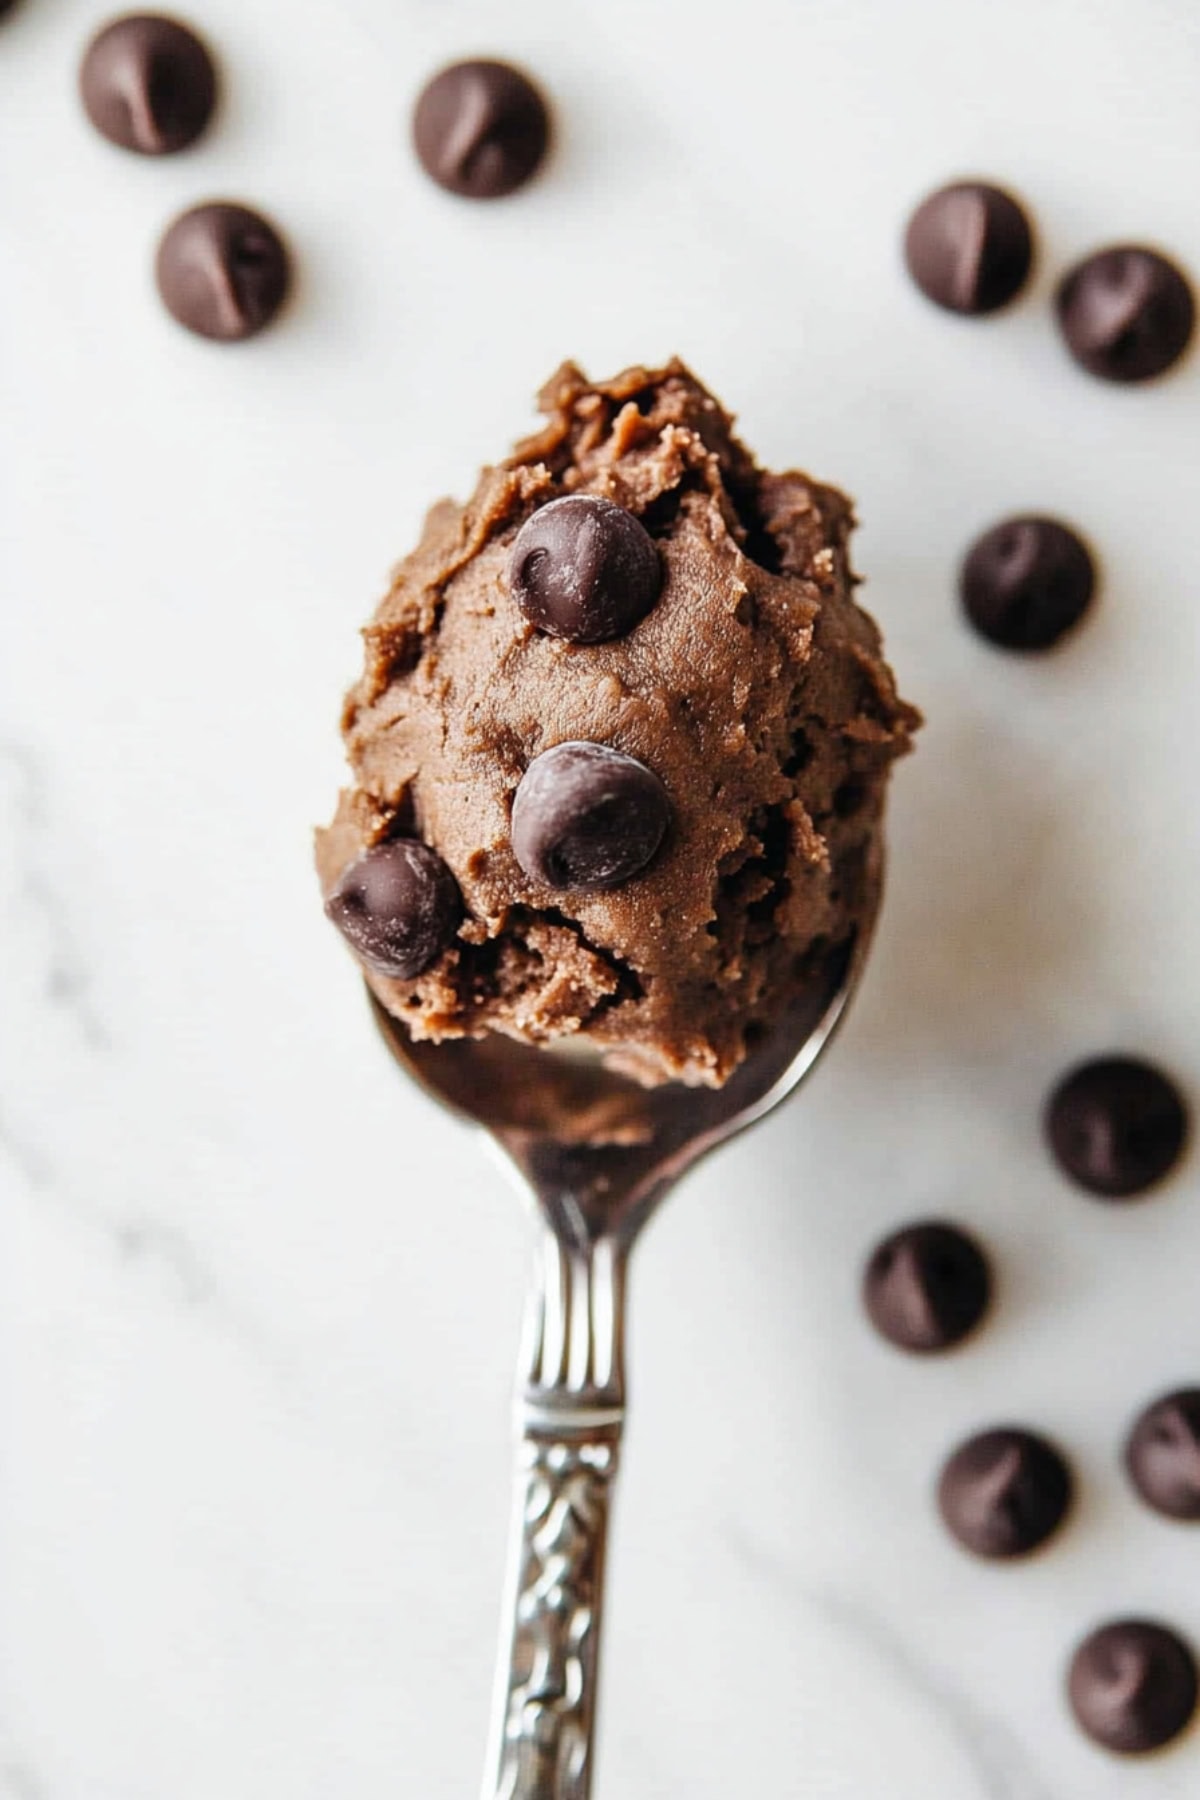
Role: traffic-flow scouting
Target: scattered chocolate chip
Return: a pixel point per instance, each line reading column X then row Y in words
column 1116, row 1126
column 585, row 569
column 398, row 906
column 587, row 817
column 1126, row 314
column 223, row 271
column 1163, row 1455
column 1132, row 1686
column 480, row 129
column 969, row 247
column 148, row 84
column 1004, row 1492
column 926, row 1286
column 1026, row 582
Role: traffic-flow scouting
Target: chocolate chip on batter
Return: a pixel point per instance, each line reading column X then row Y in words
column 148, row 84
column 223, row 271
column 1004, row 1492
column 969, row 247
column 926, row 1286
column 480, row 129
column 1126, row 314
column 1116, row 1125
column 398, row 907
column 585, row 569
column 1026, row 582
column 1132, row 1686
column 1163, row 1455
column 587, row 817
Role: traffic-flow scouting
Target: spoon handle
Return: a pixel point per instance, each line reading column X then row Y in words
column 570, row 1415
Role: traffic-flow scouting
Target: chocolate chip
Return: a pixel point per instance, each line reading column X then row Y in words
column 1004, row 1492
column 398, row 906
column 585, row 569
column 223, row 271
column 1116, row 1126
column 480, row 129
column 1132, row 1686
column 926, row 1286
column 1163, row 1455
column 587, row 818
column 1026, row 582
column 1126, row 314
column 148, row 84
column 969, row 247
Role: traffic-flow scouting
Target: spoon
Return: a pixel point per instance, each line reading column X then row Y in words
column 595, row 1153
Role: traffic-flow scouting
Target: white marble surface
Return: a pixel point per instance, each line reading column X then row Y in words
column 258, row 1301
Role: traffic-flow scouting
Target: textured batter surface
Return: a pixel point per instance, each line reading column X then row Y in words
column 754, row 688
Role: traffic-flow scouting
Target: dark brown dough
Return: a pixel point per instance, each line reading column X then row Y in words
column 754, row 688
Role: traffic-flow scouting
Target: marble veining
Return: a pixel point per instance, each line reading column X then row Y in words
column 54, row 982
column 67, row 983
column 1003, row 1764
column 24, row 1157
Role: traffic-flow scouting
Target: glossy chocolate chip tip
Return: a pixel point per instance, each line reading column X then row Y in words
column 926, row 1286
column 1027, row 582
column 1127, row 313
column 1004, row 1492
column 1116, row 1126
column 584, row 569
column 481, row 129
column 398, row 907
column 223, row 271
column 1132, row 1686
column 969, row 247
column 148, row 84
column 1162, row 1455
column 587, row 818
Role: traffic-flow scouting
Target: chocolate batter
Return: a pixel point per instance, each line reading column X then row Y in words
column 743, row 689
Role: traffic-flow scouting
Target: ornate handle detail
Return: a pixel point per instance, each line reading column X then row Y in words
column 570, row 1418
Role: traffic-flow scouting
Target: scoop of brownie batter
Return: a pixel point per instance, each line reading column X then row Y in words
column 620, row 745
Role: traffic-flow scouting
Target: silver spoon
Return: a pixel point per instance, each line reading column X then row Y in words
column 594, row 1154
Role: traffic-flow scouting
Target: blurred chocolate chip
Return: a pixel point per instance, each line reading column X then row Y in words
column 926, row 1286
column 969, row 247
column 1026, row 582
column 480, row 129
column 1132, row 1686
column 223, row 271
column 1116, row 1125
column 585, row 569
column 398, row 907
column 1004, row 1492
column 1163, row 1455
column 148, row 84
column 1126, row 314
column 586, row 817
